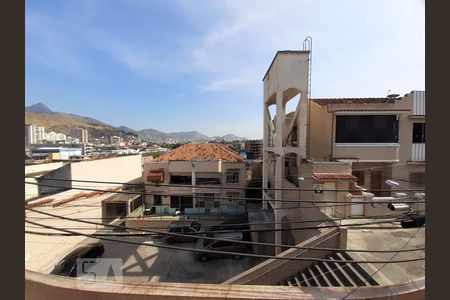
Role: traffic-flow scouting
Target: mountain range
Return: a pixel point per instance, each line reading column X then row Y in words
column 42, row 115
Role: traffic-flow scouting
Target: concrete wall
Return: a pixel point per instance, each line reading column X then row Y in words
column 151, row 223
column 320, row 132
column 289, row 69
column 118, row 169
column 273, row 271
column 368, row 152
column 405, row 133
column 50, row 287
column 31, row 189
column 43, row 167
column 256, row 169
column 48, row 186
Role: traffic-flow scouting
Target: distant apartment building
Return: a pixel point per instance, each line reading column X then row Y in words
column 115, row 140
column 34, row 134
column 254, row 149
column 51, row 136
column 88, row 149
column 54, row 137
column 81, row 134
column 61, row 137
column 207, row 176
column 72, row 140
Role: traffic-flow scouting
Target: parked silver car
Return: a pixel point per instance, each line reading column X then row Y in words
column 227, row 246
column 183, row 227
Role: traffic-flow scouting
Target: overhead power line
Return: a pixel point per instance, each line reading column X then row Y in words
column 382, row 216
column 221, row 252
column 222, row 187
column 385, row 263
column 216, row 239
column 397, row 200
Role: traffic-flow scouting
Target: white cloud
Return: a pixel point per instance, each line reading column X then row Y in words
column 365, row 39
column 224, row 84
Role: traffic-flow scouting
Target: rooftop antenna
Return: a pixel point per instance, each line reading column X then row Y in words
column 392, row 95
column 307, row 46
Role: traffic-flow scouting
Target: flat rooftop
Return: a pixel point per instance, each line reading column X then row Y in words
column 389, row 239
column 42, row 252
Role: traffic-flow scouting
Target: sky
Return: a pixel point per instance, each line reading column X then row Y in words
column 185, row 65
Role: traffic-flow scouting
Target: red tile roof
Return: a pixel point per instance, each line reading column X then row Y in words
column 207, row 151
column 334, row 176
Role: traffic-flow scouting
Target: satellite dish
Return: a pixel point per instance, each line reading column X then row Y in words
column 393, row 95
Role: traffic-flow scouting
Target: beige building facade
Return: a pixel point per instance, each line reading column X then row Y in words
column 382, row 138
column 203, row 178
column 326, row 147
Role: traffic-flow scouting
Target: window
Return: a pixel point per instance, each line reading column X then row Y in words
column 216, row 204
column 174, row 179
column 157, row 199
column 201, row 181
column 418, row 133
column 360, row 175
column 233, row 176
column 367, row 129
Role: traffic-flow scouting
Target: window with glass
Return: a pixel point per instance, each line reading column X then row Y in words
column 418, row 133
column 366, row 129
column 157, row 199
column 204, row 181
column 233, row 176
column 360, row 175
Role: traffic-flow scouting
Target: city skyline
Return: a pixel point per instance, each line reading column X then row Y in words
column 180, row 65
